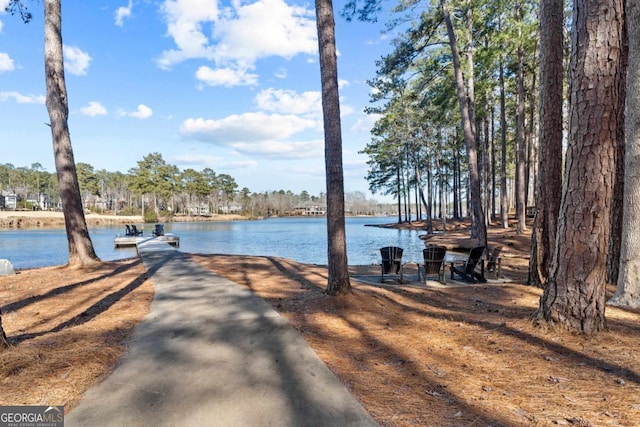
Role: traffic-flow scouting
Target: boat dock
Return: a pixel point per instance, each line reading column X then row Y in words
column 133, row 236
column 129, row 241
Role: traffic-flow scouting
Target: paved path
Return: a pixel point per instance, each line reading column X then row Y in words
column 211, row 353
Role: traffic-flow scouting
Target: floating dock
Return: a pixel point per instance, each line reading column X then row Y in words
column 129, row 241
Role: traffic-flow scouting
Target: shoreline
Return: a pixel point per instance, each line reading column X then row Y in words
column 53, row 219
column 49, row 219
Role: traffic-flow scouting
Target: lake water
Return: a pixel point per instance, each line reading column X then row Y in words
column 301, row 239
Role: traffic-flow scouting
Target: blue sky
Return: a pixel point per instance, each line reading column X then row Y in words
column 232, row 86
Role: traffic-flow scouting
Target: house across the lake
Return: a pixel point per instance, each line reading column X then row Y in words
column 310, row 210
column 8, row 201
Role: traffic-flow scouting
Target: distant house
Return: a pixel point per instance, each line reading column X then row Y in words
column 232, row 208
column 201, row 209
column 310, row 210
column 9, row 201
column 42, row 202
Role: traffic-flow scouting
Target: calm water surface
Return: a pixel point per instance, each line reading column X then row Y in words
column 301, row 239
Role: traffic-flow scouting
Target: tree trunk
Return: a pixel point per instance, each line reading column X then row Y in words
column 615, row 239
column 531, row 144
column 575, row 293
column 493, row 166
column 407, row 185
column 338, row 281
column 486, row 171
column 504, row 209
column 549, row 182
column 628, row 289
column 468, row 128
column 399, row 192
column 4, row 342
column 520, row 149
column 456, row 184
column 443, row 210
column 81, row 251
column 420, row 193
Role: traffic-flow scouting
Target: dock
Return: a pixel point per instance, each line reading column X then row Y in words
column 130, row 241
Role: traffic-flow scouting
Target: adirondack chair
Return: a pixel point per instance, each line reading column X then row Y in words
column 467, row 270
column 494, row 262
column 391, row 263
column 434, row 263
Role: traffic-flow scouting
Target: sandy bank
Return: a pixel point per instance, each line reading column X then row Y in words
column 48, row 219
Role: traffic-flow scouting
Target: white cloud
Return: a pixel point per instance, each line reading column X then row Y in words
column 6, row 63
column 185, row 19
column 245, row 127
column 143, row 112
column 307, row 104
column 76, row 61
column 22, row 99
column 240, row 35
column 289, row 101
column 3, row 7
column 226, row 77
column 282, row 149
column 94, row 109
column 265, row 28
column 256, row 134
column 365, row 123
column 346, row 110
column 123, row 12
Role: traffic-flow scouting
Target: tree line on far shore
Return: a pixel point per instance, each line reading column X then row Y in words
column 164, row 189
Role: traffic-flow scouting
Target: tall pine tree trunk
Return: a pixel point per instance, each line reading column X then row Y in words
column 549, row 182
column 493, row 166
column 613, row 262
column 520, row 148
column 504, row 208
column 628, row 289
column 574, row 296
column 81, row 251
column 487, row 171
column 467, row 108
column 338, row 281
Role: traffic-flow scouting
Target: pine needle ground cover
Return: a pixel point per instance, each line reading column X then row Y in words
column 412, row 355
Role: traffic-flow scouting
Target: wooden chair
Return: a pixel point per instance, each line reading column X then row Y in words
column 135, row 231
column 391, row 263
column 434, row 263
column 158, row 230
column 494, row 262
column 467, row 270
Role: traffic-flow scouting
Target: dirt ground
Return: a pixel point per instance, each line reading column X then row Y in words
column 412, row 355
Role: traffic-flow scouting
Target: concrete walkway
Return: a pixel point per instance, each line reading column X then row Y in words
column 211, row 353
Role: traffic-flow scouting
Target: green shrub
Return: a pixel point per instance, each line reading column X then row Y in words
column 129, row 211
column 150, row 216
column 165, row 213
